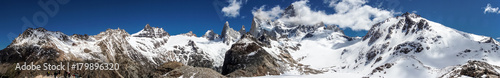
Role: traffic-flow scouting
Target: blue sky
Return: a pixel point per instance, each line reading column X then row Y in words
column 180, row 16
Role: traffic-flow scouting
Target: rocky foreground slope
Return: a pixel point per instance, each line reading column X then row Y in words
column 403, row 46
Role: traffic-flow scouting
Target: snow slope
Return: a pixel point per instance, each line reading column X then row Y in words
column 403, row 46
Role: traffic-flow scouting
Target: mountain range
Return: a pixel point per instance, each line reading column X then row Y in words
column 403, row 46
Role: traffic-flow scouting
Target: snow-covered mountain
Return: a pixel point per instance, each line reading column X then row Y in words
column 403, row 46
column 229, row 35
column 145, row 49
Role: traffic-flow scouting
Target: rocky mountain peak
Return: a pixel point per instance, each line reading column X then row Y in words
column 334, row 28
column 112, row 33
column 225, row 29
column 289, row 12
column 211, row 35
column 255, row 28
column 190, row 33
column 248, row 58
column 80, row 37
column 242, row 30
column 32, row 36
column 148, row 28
column 409, row 15
column 31, row 31
column 229, row 34
column 151, row 32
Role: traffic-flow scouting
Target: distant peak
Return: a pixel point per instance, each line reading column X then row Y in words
column 151, row 32
column 242, row 27
column 37, row 29
column 147, row 26
column 31, row 31
column 289, row 11
column 211, row 35
column 190, row 33
column 410, row 14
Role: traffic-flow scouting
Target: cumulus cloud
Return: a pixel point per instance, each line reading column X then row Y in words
column 352, row 14
column 273, row 13
column 489, row 9
column 233, row 9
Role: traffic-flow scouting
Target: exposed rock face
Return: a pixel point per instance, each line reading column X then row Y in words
column 39, row 36
column 334, row 28
column 247, row 58
column 242, row 30
column 35, row 45
column 255, row 27
column 29, row 54
column 114, row 46
column 289, row 12
column 410, row 24
column 42, row 46
column 211, row 35
column 229, row 35
column 81, row 37
column 408, row 47
column 476, row 69
column 278, row 29
column 191, row 55
column 190, row 33
column 151, row 32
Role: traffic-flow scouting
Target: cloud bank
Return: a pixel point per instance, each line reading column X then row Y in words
column 233, row 9
column 352, row 14
column 489, row 9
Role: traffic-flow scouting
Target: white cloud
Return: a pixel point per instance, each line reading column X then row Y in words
column 352, row 14
column 414, row 11
column 498, row 38
column 489, row 9
column 233, row 9
column 273, row 13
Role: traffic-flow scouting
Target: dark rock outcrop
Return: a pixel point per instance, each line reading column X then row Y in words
column 247, row 58
column 408, row 47
column 476, row 69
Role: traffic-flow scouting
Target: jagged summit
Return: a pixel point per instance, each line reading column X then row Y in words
column 242, row 30
column 410, row 14
column 225, row 29
column 151, row 32
column 406, row 24
column 228, row 34
column 35, row 36
column 335, row 28
column 190, row 33
column 289, row 12
column 211, row 35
